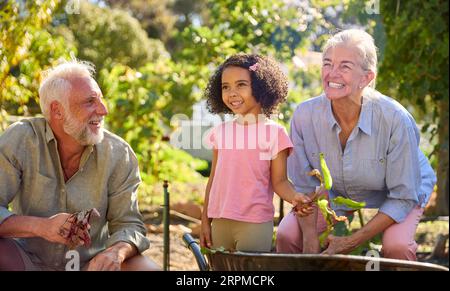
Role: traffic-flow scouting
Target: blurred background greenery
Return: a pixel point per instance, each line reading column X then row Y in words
column 154, row 57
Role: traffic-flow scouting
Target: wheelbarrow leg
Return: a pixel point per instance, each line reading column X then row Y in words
column 192, row 244
column 166, row 220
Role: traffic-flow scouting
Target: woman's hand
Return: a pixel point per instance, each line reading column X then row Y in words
column 344, row 245
column 205, row 233
column 339, row 245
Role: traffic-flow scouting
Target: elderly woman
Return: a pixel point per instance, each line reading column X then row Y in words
column 371, row 144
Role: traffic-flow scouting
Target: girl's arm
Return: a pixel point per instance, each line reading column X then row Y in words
column 205, row 236
column 284, row 188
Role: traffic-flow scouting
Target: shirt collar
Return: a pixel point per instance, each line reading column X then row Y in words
column 48, row 132
column 331, row 121
column 365, row 118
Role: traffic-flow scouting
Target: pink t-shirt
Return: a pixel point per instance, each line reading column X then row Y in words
column 242, row 188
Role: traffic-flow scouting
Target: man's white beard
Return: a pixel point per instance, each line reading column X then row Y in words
column 81, row 132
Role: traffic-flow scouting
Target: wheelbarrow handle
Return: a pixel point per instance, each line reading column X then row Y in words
column 193, row 245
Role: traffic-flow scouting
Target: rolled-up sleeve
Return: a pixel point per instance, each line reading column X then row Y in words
column 428, row 180
column 403, row 177
column 124, row 219
column 298, row 164
column 9, row 173
column 9, row 181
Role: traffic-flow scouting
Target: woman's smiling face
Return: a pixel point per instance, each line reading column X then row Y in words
column 342, row 74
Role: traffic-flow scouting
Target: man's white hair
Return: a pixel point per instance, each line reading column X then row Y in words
column 56, row 84
column 362, row 42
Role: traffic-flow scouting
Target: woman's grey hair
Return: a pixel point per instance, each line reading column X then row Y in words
column 362, row 42
column 56, row 84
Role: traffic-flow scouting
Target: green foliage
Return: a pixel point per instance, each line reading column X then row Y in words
column 137, row 100
column 245, row 26
column 110, row 36
column 26, row 49
column 305, row 83
column 150, row 192
column 180, row 165
column 415, row 64
column 205, row 250
column 16, row 19
column 20, row 91
column 155, row 16
column 415, row 71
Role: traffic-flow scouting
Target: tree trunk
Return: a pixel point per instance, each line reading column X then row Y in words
column 443, row 173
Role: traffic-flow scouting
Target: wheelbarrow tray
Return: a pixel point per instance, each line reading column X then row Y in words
column 247, row 261
column 242, row 261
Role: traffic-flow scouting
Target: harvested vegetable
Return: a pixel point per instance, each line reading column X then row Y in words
column 76, row 228
column 316, row 174
column 327, row 180
column 349, row 203
column 330, row 216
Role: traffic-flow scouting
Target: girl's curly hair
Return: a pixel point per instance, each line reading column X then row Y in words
column 269, row 84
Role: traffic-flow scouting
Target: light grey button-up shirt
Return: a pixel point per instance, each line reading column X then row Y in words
column 31, row 177
column 381, row 164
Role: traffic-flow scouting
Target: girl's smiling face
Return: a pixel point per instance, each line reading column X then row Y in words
column 237, row 91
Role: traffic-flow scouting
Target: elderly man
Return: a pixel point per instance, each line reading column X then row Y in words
column 65, row 163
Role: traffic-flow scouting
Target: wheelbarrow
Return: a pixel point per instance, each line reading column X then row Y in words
column 247, row 261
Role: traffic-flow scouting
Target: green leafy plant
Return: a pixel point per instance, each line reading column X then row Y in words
column 205, row 250
column 326, row 182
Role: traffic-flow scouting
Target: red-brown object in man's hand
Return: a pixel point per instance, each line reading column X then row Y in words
column 76, row 228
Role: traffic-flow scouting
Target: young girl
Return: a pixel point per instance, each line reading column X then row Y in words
column 249, row 156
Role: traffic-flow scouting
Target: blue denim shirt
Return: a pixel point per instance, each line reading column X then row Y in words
column 381, row 164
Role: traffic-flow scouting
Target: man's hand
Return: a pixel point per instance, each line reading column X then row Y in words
column 50, row 228
column 18, row 226
column 108, row 260
column 56, row 229
column 112, row 258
